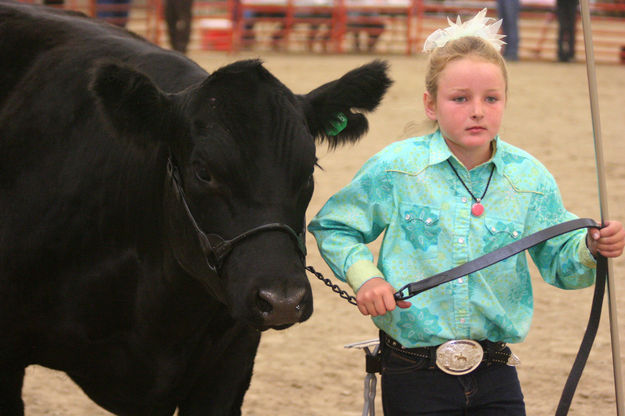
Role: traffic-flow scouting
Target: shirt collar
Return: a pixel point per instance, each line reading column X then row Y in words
column 439, row 151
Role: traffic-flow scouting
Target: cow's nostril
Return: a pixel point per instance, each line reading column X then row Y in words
column 279, row 308
column 263, row 303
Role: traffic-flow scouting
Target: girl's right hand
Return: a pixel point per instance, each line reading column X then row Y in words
column 375, row 297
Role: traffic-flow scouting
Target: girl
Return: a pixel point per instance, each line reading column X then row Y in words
column 442, row 200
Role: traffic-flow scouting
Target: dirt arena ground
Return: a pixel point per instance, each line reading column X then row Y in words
column 305, row 370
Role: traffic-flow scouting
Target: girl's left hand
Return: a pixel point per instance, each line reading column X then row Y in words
column 609, row 240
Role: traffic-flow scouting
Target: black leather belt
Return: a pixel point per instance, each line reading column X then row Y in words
column 494, row 352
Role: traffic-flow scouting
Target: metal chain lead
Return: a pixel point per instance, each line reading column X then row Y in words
column 351, row 299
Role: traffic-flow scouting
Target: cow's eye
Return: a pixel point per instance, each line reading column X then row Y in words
column 203, row 174
column 311, row 178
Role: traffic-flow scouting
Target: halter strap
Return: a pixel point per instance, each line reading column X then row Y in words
column 202, row 255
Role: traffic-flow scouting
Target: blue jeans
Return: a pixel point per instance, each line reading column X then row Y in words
column 117, row 15
column 508, row 10
column 410, row 387
column 566, row 11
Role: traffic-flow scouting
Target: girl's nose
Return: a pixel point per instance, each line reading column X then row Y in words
column 477, row 111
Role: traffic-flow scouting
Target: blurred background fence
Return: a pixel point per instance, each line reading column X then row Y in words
column 351, row 26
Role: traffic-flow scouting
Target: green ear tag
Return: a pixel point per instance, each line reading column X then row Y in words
column 338, row 125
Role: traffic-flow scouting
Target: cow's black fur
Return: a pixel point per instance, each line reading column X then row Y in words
column 89, row 284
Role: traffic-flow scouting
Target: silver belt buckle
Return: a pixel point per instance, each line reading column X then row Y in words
column 458, row 357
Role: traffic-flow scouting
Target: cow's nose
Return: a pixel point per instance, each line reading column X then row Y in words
column 278, row 308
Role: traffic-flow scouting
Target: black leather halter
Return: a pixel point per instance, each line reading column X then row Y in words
column 199, row 254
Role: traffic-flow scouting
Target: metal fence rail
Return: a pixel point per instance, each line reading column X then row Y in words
column 354, row 26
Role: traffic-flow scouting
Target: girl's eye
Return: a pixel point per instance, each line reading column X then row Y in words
column 491, row 99
column 459, row 99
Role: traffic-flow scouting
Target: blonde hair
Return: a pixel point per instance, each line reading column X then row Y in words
column 467, row 46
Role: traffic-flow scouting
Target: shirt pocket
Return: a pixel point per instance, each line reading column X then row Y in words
column 421, row 227
column 500, row 232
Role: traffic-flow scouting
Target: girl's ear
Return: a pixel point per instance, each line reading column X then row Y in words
column 430, row 106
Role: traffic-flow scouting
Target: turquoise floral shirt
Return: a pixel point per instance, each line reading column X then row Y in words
column 409, row 192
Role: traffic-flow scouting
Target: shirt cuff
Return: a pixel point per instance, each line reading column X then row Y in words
column 585, row 256
column 360, row 272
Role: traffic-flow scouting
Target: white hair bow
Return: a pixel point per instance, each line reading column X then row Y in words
column 479, row 26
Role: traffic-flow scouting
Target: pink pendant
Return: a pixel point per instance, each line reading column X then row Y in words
column 477, row 209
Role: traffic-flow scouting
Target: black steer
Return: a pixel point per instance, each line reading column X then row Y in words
column 151, row 214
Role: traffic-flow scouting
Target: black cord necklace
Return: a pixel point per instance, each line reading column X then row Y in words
column 477, row 209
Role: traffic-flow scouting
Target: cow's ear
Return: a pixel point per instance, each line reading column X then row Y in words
column 335, row 110
column 130, row 101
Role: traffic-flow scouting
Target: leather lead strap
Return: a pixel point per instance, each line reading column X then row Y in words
column 589, row 336
column 575, row 374
column 493, row 257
